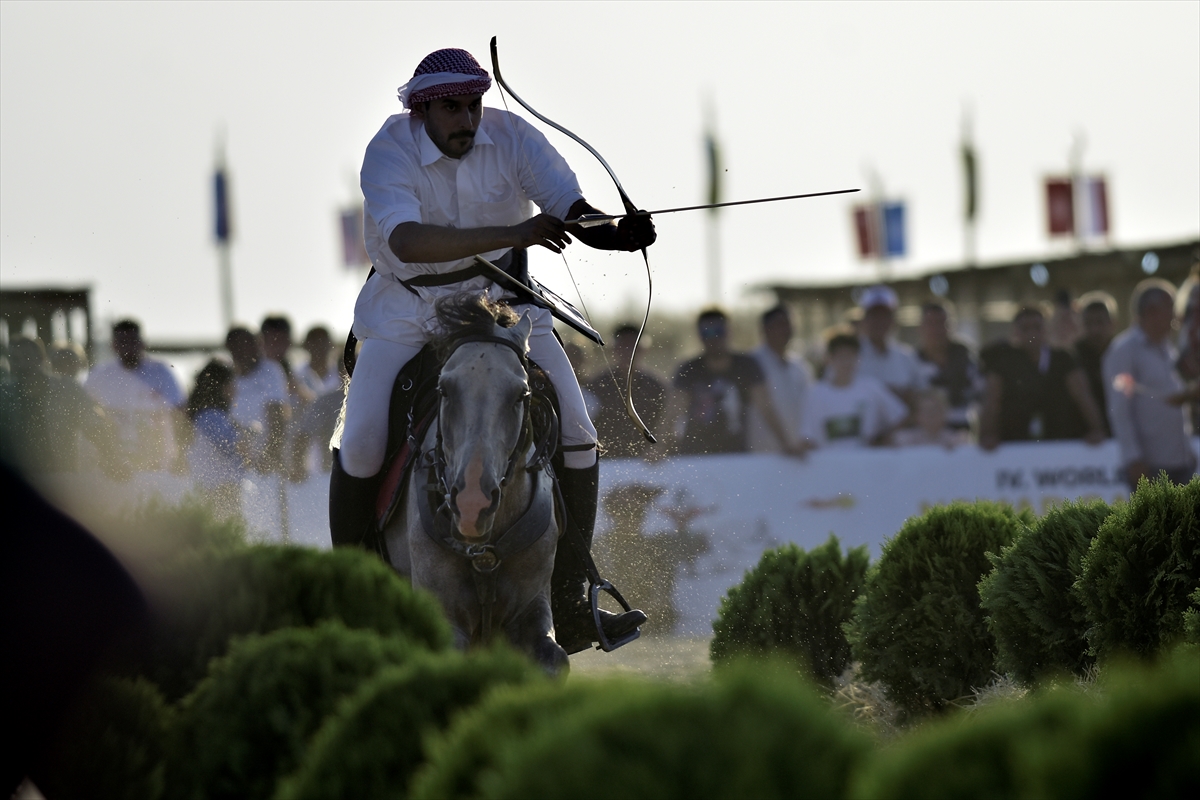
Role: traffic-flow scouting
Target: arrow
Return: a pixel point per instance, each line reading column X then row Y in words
column 592, row 220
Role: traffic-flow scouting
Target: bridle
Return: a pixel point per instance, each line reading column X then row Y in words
column 539, row 431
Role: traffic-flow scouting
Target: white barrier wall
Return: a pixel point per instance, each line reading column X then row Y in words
column 745, row 504
column 737, row 506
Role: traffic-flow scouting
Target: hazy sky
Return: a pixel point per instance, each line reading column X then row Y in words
column 109, row 113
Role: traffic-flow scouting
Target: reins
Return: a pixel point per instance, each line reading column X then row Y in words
column 539, row 432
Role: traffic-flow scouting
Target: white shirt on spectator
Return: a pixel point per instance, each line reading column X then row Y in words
column 140, row 401
column 897, row 366
column 332, row 382
column 254, row 391
column 852, row 415
column 1139, row 380
column 788, row 380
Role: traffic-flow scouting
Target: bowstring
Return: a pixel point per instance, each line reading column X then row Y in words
column 608, row 365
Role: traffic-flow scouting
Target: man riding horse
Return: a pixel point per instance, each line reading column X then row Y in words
column 443, row 183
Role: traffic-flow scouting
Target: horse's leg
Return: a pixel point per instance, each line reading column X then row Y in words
column 528, row 626
column 444, row 575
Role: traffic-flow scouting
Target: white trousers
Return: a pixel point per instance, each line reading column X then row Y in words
column 365, row 428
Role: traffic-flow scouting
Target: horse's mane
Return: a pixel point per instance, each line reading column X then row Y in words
column 468, row 314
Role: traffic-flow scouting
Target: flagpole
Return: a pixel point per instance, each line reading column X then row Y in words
column 223, row 230
column 712, row 227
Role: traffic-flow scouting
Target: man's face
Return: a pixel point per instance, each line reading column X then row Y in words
column 933, row 327
column 276, row 343
column 714, row 335
column 128, row 346
column 1029, row 331
column 243, row 348
column 877, row 322
column 451, row 122
column 1097, row 326
column 318, row 347
column 1157, row 317
column 623, row 349
column 842, row 364
column 777, row 332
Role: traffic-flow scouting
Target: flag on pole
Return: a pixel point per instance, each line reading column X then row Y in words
column 879, row 229
column 714, row 170
column 222, row 218
column 1060, row 207
column 1077, row 206
column 970, row 182
column 354, row 250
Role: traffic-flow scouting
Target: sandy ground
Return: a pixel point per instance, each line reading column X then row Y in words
column 658, row 657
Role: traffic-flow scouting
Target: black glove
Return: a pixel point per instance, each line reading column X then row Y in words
column 635, row 232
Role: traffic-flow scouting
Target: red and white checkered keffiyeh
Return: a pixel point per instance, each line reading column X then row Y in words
column 445, row 73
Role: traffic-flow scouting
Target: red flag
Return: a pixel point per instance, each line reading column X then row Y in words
column 866, row 230
column 1060, row 207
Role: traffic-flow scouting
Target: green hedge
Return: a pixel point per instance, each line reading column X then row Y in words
column 111, row 746
column 248, row 722
column 372, row 745
column 265, row 588
column 1142, row 565
column 1039, row 623
column 1140, row 737
column 463, row 758
column 793, row 602
column 759, row 734
column 1191, row 618
column 918, row 627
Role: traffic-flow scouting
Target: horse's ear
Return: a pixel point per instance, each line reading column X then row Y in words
column 522, row 329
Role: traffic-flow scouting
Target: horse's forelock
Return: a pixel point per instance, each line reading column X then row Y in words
column 469, row 314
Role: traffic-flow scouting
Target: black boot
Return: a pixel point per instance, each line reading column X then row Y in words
column 574, row 628
column 352, row 508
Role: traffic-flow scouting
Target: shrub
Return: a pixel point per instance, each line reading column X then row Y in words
column 247, row 723
column 1139, row 738
column 1144, row 562
column 264, row 588
column 1191, row 618
column 461, row 757
column 1038, row 622
column 372, row 746
column 918, row 627
column 112, row 745
column 796, row 603
column 759, row 734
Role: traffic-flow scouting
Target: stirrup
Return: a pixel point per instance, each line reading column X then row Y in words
column 594, row 590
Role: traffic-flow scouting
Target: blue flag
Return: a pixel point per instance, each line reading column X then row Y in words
column 221, row 214
column 893, row 229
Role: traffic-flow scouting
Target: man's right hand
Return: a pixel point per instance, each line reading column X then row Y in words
column 544, row 230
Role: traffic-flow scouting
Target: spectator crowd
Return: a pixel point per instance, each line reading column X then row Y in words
column 1062, row 373
column 250, row 412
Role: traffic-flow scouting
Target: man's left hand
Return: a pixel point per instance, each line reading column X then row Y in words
column 635, row 232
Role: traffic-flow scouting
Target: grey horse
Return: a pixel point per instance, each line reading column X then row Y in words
column 477, row 526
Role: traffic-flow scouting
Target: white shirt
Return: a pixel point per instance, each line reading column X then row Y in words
column 332, row 382
column 140, row 401
column 254, row 391
column 406, row 178
column 897, row 366
column 788, row 380
column 853, row 415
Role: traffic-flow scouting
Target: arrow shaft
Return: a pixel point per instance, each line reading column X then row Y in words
column 599, row 219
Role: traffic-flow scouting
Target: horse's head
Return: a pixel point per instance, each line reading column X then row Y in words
column 484, row 393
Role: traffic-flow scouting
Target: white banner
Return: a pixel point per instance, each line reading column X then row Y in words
column 722, row 512
column 675, row 535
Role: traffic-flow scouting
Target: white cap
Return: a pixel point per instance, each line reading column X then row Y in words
column 878, row 296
